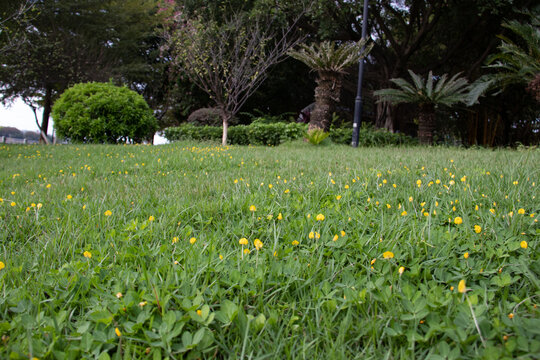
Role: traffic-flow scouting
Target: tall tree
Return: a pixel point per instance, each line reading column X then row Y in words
column 71, row 41
column 227, row 58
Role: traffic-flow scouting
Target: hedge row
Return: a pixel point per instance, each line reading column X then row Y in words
column 254, row 134
column 277, row 133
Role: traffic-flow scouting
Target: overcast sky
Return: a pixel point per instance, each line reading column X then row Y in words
column 20, row 116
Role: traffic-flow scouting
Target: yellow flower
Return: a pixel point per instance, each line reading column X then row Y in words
column 243, row 241
column 220, row 257
column 346, row 186
column 320, row 217
column 2, row 265
column 151, row 218
column 410, row 199
column 511, row 213
column 521, row 211
column 143, row 303
column 338, row 197
column 511, row 315
column 69, row 197
column 388, row 206
column 252, row 208
column 477, row 229
column 492, row 211
column 317, row 235
column 192, row 240
column 87, row 254
column 335, row 238
column 373, row 261
column 523, row 244
column 342, row 233
column 117, row 331
column 466, row 255
column 39, row 205
column 462, row 286
column 48, row 186
column 458, row 220
column 108, row 213
column 280, row 217
column 287, row 191
column 119, row 295
column 270, row 186
column 295, row 242
column 258, row 244
column 419, row 182
column 269, row 217
column 404, row 213
column 311, row 235
column 246, row 251
column 13, row 203
column 174, row 240
column 401, row 270
column 388, row 255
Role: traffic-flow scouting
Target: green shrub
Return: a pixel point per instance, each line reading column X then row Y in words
column 316, row 136
column 369, row 136
column 254, row 134
column 205, row 116
column 103, row 113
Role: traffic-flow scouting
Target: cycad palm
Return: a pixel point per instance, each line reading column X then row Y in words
column 428, row 95
column 519, row 64
column 331, row 62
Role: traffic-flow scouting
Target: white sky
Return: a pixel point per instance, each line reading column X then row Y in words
column 21, row 116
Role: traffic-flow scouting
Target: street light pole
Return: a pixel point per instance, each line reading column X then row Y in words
column 358, row 101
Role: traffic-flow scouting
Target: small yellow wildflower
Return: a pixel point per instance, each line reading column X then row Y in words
column 335, row 237
column 246, row 251
column 462, row 287
column 523, row 244
column 87, row 254
column 108, row 213
column 192, row 240
column 243, row 241
column 174, row 240
column 287, row 191
column 39, row 205
column 199, row 312
column 151, row 218
column 280, row 216
column 220, row 257
column 48, row 186
column 404, row 213
column 521, row 211
column 143, row 303
column 388, row 255
column 401, row 270
column 117, row 331
column 458, row 220
column 466, row 255
column 320, row 217
column 477, row 229
column 373, row 261
column 295, row 242
column 252, row 208
column 2, row 265
column 338, row 197
column 419, row 182
column 342, row 233
column 119, row 295
column 69, row 197
column 511, row 315
column 258, row 244
column 13, row 203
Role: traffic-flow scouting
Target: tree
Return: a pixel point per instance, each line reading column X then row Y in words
column 227, row 59
column 428, row 96
column 71, row 41
column 516, row 63
column 331, row 62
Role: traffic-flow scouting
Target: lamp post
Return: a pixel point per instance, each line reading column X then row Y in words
column 358, row 101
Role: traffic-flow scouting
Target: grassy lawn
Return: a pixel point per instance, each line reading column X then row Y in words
column 152, row 252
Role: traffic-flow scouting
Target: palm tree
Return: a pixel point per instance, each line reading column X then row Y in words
column 518, row 64
column 428, row 96
column 331, row 62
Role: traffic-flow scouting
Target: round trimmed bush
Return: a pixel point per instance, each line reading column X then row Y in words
column 103, row 113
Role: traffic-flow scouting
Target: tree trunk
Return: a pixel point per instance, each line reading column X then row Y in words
column 327, row 94
column 385, row 116
column 225, row 118
column 426, row 124
column 47, row 104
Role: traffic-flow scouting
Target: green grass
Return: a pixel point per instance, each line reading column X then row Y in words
column 294, row 298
